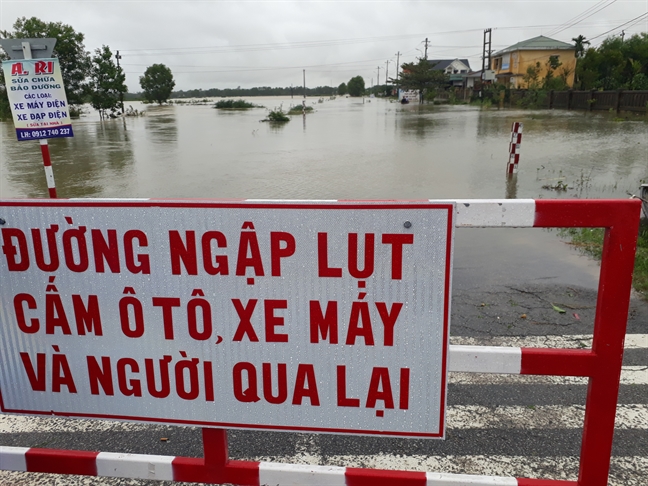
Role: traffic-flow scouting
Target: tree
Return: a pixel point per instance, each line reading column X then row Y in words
column 532, row 76
column 421, row 76
column 73, row 58
column 342, row 89
column 615, row 64
column 356, row 86
column 107, row 83
column 157, row 83
column 580, row 42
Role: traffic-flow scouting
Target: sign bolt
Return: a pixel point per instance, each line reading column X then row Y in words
column 2, row 221
column 407, row 224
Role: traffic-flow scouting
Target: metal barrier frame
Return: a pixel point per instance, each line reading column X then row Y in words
column 601, row 364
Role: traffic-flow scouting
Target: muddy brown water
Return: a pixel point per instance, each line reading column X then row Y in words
column 350, row 149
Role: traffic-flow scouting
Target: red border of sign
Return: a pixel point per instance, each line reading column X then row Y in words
column 329, row 205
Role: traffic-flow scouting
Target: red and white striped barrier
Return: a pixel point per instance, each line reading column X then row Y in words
column 601, row 364
column 169, row 468
column 514, row 148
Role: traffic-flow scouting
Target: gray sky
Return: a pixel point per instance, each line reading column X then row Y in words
column 225, row 44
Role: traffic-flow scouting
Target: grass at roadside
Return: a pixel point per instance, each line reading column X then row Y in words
column 590, row 241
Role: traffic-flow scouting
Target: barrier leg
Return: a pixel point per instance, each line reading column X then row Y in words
column 609, row 331
column 215, row 447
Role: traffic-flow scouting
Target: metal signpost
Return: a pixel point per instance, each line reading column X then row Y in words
column 36, row 95
column 320, row 317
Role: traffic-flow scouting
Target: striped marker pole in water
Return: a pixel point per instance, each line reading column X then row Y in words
column 47, row 162
column 514, row 148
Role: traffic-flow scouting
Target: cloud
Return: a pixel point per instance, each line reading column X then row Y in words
column 204, row 42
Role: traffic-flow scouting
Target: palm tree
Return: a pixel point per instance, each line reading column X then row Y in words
column 580, row 43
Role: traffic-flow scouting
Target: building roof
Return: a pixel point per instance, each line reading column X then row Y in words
column 440, row 64
column 537, row 43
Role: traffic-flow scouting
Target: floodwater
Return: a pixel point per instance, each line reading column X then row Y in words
column 350, row 149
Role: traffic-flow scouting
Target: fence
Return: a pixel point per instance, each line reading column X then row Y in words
column 617, row 101
column 601, row 364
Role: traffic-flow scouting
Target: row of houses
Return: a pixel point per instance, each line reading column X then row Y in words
column 508, row 66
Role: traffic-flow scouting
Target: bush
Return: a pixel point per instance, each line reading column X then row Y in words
column 277, row 115
column 235, row 104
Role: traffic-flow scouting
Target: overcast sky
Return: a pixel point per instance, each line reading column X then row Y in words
column 221, row 44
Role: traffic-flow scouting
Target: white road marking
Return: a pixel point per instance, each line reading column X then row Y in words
column 629, row 416
column 538, row 417
column 15, row 424
column 576, row 341
column 630, row 375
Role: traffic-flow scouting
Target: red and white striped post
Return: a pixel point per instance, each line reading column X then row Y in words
column 47, row 163
column 514, row 148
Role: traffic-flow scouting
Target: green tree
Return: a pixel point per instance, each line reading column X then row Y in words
column 580, row 42
column 107, row 83
column 342, row 89
column 356, row 86
column 157, row 83
column 615, row 64
column 551, row 81
column 532, row 76
column 421, row 76
column 73, row 58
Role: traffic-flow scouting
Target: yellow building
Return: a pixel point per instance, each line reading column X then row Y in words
column 511, row 64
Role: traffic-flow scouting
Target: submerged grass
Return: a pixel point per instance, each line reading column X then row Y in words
column 298, row 110
column 590, row 241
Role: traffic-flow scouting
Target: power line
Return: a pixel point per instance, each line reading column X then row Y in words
column 291, row 45
column 582, row 16
column 638, row 19
column 314, row 44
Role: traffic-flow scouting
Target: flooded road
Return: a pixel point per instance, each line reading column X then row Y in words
column 346, row 149
column 350, row 149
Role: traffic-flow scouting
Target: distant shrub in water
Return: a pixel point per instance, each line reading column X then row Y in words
column 277, row 115
column 298, row 110
column 234, row 104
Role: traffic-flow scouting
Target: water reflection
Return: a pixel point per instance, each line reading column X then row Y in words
column 161, row 124
column 418, row 124
column 99, row 156
column 511, row 186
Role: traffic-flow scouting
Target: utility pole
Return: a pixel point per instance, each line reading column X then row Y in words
column 397, row 65
column 486, row 58
column 378, row 80
column 622, row 35
column 304, row 100
column 121, row 95
column 426, row 46
column 387, row 71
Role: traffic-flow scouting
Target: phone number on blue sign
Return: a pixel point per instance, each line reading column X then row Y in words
column 26, row 134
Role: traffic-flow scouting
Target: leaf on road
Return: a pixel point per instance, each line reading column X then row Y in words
column 558, row 309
